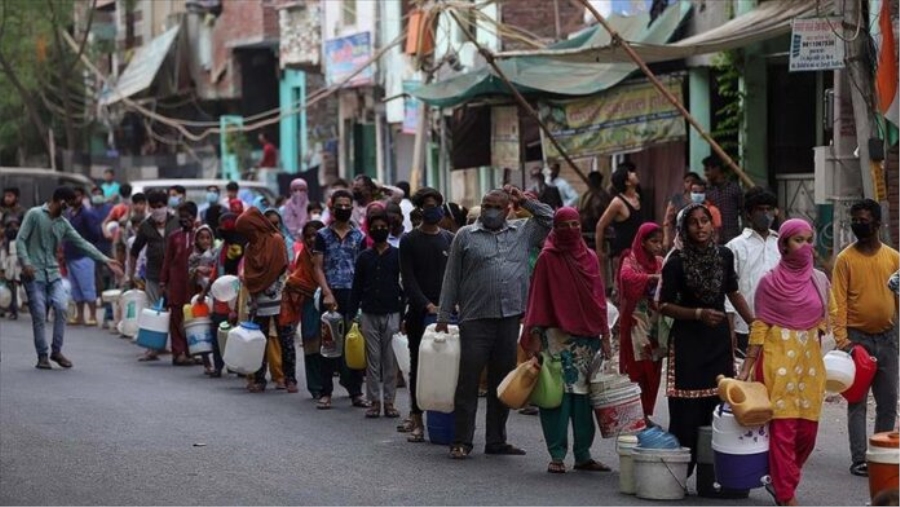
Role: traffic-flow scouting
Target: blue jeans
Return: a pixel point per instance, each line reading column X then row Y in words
column 38, row 294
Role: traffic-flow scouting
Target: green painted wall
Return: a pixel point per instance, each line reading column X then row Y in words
column 698, row 90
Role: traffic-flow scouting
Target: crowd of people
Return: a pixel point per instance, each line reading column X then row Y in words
column 525, row 273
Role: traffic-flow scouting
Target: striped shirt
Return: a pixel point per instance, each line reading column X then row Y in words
column 487, row 272
column 729, row 198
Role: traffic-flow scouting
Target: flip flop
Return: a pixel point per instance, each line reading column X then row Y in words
column 323, row 403
column 459, row 452
column 592, row 466
column 556, row 467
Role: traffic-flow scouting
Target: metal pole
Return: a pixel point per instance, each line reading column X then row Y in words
column 618, row 40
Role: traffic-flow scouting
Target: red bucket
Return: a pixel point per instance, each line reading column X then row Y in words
column 866, row 366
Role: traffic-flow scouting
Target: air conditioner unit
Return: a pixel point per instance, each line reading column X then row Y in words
column 832, row 173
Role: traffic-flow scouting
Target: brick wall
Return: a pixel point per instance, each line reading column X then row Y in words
column 893, row 190
column 241, row 21
column 538, row 18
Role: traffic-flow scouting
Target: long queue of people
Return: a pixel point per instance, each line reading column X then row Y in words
column 518, row 265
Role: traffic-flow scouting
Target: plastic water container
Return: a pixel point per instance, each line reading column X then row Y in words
column 332, row 338
column 438, row 369
column 440, row 427
column 110, row 296
column 226, row 288
column 706, row 475
column 355, row 349
column 400, row 344
column 222, row 335
column 5, row 296
column 749, row 401
column 245, row 348
column 883, row 456
column 617, row 405
column 625, row 445
column 133, row 303
column 516, row 387
column 661, row 474
column 199, row 336
column 840, row 370
column 866, row 366
column 741, row 453
column 153, row 328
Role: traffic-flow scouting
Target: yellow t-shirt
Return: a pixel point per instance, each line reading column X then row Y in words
column 860, row 288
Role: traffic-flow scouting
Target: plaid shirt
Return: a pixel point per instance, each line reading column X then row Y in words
column 729, row 198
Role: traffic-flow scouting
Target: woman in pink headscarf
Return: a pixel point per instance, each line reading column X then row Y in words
column 794, row 308
column 295, row 212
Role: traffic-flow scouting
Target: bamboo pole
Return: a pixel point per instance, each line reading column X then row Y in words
column 519, row 98
column 618, row 40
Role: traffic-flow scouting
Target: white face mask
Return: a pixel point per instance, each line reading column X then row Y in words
column 159, row 214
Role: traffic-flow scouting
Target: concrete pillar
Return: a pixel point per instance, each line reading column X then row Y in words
column 698, row 90
column 292, row 94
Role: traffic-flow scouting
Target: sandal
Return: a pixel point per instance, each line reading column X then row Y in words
column 391, row 412
column 592, row 466
column 256, row 388
column 374, row 411
column 504, row 449
column 360, row 402
column 405, row 426
column 459, row 452
column 556, row 467
column 324, row 403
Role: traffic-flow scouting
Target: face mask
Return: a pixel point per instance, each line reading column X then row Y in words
column 174, row 201
column 799, row 258
column 493, row 218
column 96, row 199
column 358, row 195
column 212, row 197
column 186, row 223
column 567, row 237
column 316, row 216
column 862, row 231
column 762, row 221
column 698, row 198
column 159, row 214
column 432, row 216
column 342, row 214
column 379, row 235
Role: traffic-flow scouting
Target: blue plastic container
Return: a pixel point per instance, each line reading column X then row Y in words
column 153, row 340
column 440, row 427
column 741, row 471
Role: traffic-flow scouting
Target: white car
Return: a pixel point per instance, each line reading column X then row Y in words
column 196, row 188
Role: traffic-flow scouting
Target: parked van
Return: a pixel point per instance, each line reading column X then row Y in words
column 36, row 185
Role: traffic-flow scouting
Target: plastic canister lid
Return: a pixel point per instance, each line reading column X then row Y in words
column 626, row 442
column 887, row 439
column 250, row 325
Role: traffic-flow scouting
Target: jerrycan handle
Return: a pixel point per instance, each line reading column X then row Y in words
column 159, row 305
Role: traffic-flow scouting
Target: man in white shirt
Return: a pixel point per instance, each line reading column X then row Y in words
column 406, row 205
column 568, row 194
column 755, row 253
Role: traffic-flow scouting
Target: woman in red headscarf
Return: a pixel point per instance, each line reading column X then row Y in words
column 566, row 318
column 794, row 307
column 639, row 352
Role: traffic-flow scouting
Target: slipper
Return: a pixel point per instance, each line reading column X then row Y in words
column 504, row 450
column 592, row 466
column 556, row 467
column 324, row 403
column 144, row 359
column 459, row 452
column 360, row 402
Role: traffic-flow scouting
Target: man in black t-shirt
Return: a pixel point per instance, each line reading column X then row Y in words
column 423, row 259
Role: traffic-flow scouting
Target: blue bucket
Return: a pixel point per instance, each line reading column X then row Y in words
column 154, row 340
column 741, row 471
column 440, row 427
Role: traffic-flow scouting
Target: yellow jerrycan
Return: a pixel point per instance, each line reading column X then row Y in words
column 749, row 401
column 355, row 348
column 516, row 388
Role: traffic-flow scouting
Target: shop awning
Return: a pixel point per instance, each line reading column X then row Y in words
column 142, row 69
column 539, row 74
column 769, row 20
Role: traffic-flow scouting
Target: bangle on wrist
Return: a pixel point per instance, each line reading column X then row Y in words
column 697, row 313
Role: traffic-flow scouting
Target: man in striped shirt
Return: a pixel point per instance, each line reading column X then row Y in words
column 726, row 195
column 487, row 279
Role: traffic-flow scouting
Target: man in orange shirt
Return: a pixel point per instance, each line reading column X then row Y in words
column 866, row 314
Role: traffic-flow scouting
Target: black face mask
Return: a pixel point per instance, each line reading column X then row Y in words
column 862, row 231
column 232, row 237
column 379, row 235
column 358, row 196
column 342, row 214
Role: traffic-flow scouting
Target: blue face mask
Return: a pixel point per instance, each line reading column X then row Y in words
column 493, row 218
column 174, row 201
column 698, row 198
column 212, row 197
column 432, row 215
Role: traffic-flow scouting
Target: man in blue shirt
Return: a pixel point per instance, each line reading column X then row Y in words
column 334, row 261
column 79, row 265
column 110, row 186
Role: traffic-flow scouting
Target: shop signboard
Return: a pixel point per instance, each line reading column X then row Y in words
column 344, row 55
column 815, row 45
column 505, row 150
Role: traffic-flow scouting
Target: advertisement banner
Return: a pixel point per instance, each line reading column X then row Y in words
column 626, row 118
column 410, row 112
column 815, row 46
column 344, row 55
column 505, row 150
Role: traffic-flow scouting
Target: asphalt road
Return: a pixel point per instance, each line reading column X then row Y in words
column 113, row 431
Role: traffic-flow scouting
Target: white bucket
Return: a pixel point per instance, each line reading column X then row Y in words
column 729, row 437
column 110, row 296
column 661, row 474
column 400, row 344
column 840, row 370
column 624, row 447
column 619, row 411
column 133, row 303
column 199, row 336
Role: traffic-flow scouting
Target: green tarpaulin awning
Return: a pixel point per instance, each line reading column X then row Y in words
column 545, row 75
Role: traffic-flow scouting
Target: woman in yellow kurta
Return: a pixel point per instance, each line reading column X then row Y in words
column 794, row 307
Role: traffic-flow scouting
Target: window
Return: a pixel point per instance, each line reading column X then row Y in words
column 348, row 12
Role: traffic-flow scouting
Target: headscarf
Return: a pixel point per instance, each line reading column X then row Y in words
column 566, row 289
column 258, row 202
column 295, row 215
column 236, row 206
column 265, row 257
column 648, row 263
column 703, row 270
column 787, row 295
column 285, row 233
column 232, row 250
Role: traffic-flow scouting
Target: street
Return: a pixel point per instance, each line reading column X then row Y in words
column 113, row 431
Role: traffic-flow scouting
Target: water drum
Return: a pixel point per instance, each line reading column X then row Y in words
column 133, row 303
column 661, row 474
column 199, row 336
column 883, row 458
column 741, row 453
